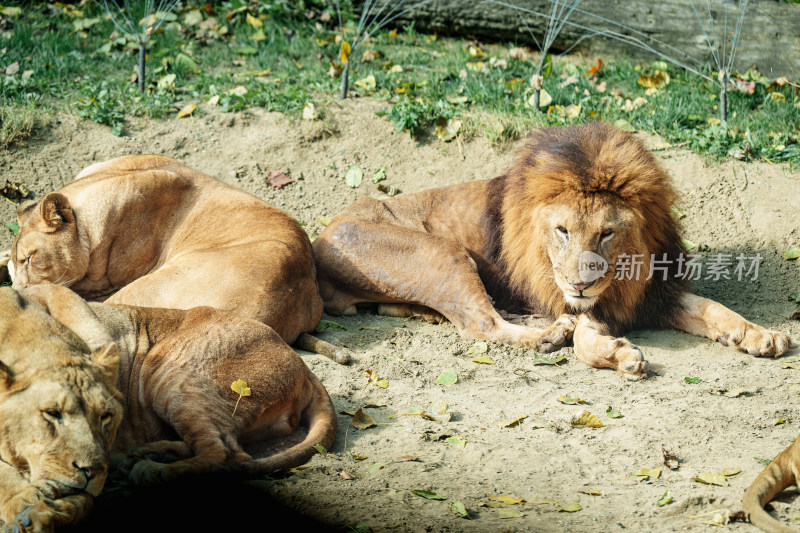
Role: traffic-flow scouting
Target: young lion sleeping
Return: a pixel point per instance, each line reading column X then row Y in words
column 78, row 382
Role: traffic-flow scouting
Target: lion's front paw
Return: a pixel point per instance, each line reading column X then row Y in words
column 35, row 518
column 147, row 472
column 631, row 362
column 759, row 342
column 556, row 335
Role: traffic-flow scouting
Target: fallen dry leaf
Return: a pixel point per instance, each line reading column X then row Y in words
column 278, row 179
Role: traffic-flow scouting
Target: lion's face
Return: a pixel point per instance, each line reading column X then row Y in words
column 584, row 239
column 47, row 247
column 58, row 422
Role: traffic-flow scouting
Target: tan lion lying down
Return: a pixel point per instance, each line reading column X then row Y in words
column 81, row 382
column 579, row 230
column 781, row 473
column 146, row 230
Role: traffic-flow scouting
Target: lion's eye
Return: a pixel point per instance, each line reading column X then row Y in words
column 606, row 233
column 54, row 414
column 563, row 231
column 106, row 416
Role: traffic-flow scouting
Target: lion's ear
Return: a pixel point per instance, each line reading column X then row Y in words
column 108, row 358
column 6, row 376
column 56, row 211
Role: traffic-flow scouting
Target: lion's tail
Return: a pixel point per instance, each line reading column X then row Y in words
column 320, row 418
column 769, row 483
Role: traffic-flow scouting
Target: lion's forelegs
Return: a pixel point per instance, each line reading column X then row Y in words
column 707, row 318
column 595, row 347
column 36, row 507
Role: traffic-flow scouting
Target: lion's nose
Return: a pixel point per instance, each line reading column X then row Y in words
column 581, row 286
column 90, row 472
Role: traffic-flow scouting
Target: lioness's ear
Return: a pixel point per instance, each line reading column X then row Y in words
column 6, row 376
column 24, row 210
column 56, row 211
column 108, row 358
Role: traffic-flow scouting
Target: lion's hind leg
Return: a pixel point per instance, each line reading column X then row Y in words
column 410, row 310
column 707, row 318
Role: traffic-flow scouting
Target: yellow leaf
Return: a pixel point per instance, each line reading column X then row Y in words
column 508, row 499
column 647, row 473
column 727, row 472
column 344, row 52
column 711, row 479
column 258, row 36
column 476, row 52
column 240, row 387
column 393, row 33
column 214, row 100
column 485, row 360
column 587, row 420
column 658, row 80
column 382, row 383
column 476, row 66
column 187, row 111
column 253, row 21
column 309, row 111
column 515, row 422
column 367, row 83
column 239, row 90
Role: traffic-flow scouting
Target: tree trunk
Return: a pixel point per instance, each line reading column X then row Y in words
column 770, row 36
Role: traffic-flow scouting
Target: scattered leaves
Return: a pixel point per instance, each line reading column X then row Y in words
column 321, row 449
column 658, row 80
column 710, row 478
column 278, row 179
column 344, row 52
column 428, row 495
column 479, row 347
column 354, row 176
column 187, row 110
column 693, row 381
column 586, row 420
column 665, row 499
column 506, row 512
column 670, row 461
column 457, row 508
column 792, row 253
column 448, row 377
column 14, row 191
column 362, row 420
column 367, row 83
column 514, row 423
column 539, row 359
column 646, row 473
column 379, row 175
column 567, row 400
column 483, row 360
column 310, row 111
column 508, row 499
column 613, row 413
column 572, row 507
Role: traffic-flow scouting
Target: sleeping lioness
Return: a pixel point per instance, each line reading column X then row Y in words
column 82, row 383
column 146, row 230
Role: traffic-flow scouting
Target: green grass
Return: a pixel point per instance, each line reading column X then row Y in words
column 73, row 61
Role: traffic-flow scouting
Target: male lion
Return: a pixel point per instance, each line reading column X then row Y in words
column 781, row 473
column 146, row 230
column 78, row 382
column 576, row 198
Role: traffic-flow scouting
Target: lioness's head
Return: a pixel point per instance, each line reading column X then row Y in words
column 59, row 405
column 583, row 210
column 47, row 246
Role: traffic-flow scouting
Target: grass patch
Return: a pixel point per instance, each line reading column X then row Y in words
column 281, row 55
column 17, row 123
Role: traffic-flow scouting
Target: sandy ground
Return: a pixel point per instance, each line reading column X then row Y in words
column 368, row 478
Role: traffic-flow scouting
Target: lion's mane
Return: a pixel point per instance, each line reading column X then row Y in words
column 583, row 166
